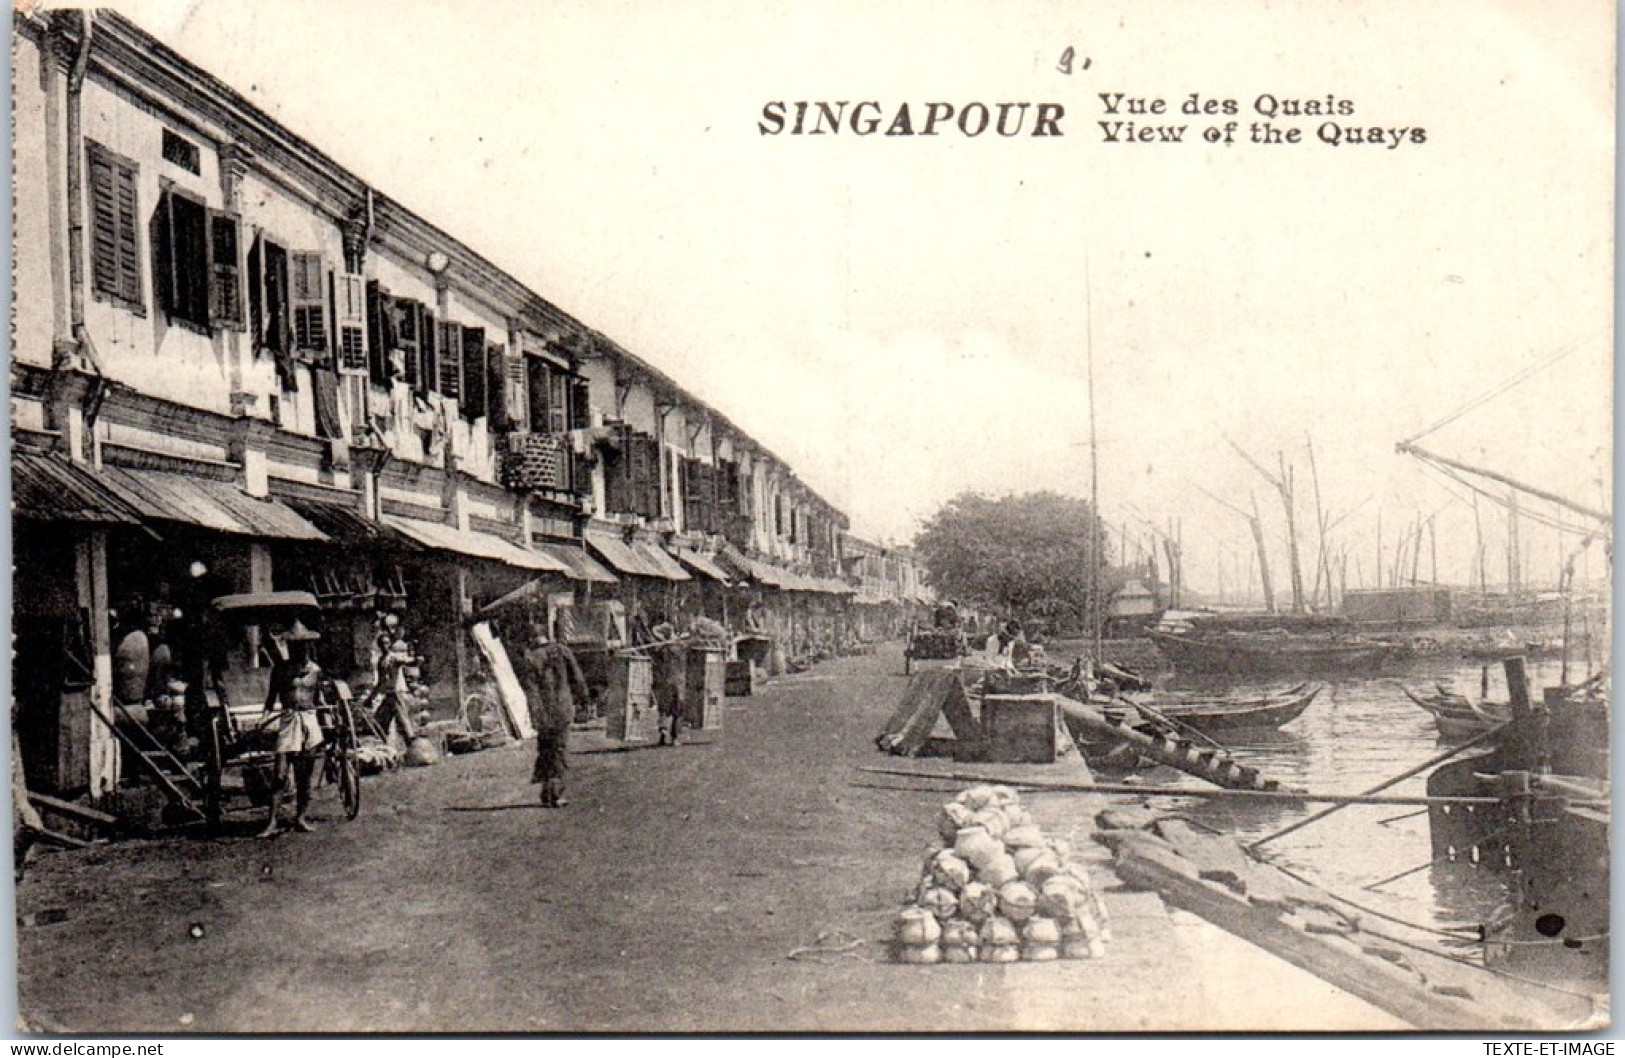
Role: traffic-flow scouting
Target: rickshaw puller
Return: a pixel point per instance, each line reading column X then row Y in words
column 295, row 686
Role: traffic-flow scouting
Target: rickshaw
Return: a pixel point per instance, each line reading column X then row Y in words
column 242, row 737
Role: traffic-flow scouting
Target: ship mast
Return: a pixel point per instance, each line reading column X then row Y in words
column 1094, row 467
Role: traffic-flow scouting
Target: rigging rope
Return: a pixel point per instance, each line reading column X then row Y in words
column 1497, row 390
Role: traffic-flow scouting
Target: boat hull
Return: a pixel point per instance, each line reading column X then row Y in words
column 1269, row 713
column 1234, row 656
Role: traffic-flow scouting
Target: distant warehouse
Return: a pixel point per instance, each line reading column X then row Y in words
column 1420, row 604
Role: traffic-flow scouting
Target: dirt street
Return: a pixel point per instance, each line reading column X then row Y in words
column 668, row 896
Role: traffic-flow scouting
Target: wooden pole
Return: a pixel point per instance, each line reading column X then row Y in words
column 1432, row 761
column 1288, row 494
column 1322, row 566
column 1257, row 525
column 1210, row 793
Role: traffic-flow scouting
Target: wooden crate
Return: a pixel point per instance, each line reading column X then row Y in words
column 629, row 702
column 706, row 674
column 1020, row 728
column 740, row 681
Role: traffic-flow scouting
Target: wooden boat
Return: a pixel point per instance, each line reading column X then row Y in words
column 1260, row 653
column 1458, row 716
column 1216, row 716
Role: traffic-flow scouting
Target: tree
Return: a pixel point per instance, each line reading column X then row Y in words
column 1026, row 556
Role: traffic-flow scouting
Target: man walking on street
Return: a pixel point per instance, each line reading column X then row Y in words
column 551, row 680
column 670, row 656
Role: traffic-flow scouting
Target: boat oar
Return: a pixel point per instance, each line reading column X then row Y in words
column 1175, row 724
column 1433, row 761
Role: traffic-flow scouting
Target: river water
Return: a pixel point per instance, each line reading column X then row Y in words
column 1359, row 733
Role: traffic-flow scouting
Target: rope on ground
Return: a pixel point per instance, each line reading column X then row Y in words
column 832, row 945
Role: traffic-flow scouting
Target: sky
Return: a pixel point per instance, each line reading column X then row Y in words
column 906, row 318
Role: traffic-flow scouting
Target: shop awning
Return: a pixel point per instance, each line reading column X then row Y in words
column 582, row 566
column 700, row 563
column 49, row 488
column 441, row 537
column 657, row 558
column 636, row 559
column 342, row 524
column 619, row 555
column 209, row 504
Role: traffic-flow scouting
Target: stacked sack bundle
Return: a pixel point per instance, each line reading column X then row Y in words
column 999, row 891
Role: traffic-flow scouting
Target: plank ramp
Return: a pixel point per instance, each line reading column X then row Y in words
column 1212, row 876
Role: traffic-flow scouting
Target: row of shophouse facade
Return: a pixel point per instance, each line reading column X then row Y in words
column 229, row 349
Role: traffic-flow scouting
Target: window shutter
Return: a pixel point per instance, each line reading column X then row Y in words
column 309, row 301
column 103, row 223
column 518, row 393
column 451, row 359
column 350, row 312
column 225, row 271
column 408, row 316
column 428, row 379
column 497, row 398
column 618, row 477
column 129, row 254
column 645, row 475
column 473, row 404
column 693, row 495
column 268, row 296
column 181, row 252
column 537, row 387
column 558, row 402
column 163, row 255
column 115, row 263
column 377, row 358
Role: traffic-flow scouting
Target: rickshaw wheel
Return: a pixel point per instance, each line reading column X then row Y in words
column 348, row 772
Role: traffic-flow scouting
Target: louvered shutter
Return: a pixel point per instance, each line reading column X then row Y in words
column 645, row 476
column 225, row 271
column 518, row 392
column 115, row 262
column 377, row 354
column 350, row 315
column 657, row 502
column 450, row 363
column 428, row 337
column 558, row 402
column 256, row 294
column 308, row 298
column 473, row 404
column 618, row 477
column 104, row 269
column 498, row 400
column 129, row 253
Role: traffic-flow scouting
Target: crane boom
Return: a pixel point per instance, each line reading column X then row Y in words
column 1406, row 448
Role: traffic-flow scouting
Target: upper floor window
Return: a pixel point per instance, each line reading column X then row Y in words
column 182, row 152
column 115, row 257
column 197, row 253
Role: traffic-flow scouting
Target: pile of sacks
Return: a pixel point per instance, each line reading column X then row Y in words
column 999, row 891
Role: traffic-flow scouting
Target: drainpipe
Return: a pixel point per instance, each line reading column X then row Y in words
column 76, row 209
